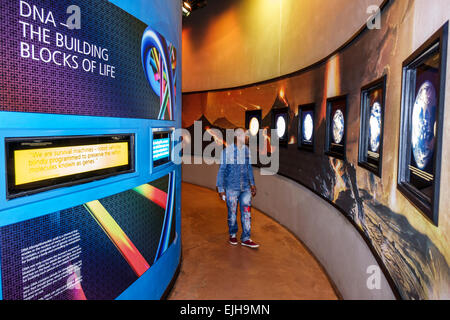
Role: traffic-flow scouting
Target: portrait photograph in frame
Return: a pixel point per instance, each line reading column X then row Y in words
column 421, row 127
column 370, row 153
column 336, row 127
column 306, row 127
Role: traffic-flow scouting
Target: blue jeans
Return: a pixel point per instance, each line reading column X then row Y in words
column 244, row 198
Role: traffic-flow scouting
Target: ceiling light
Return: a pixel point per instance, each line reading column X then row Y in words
column 186, row 8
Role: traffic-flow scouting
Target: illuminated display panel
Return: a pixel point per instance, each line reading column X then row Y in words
column 371, row 126
column 422, row 124
column 161, row 147
column 280, row 123
column 253, row 121
column 39, row 164
column 336, row 127
column 305, row 133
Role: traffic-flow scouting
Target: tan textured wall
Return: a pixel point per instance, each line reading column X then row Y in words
column 237, row 42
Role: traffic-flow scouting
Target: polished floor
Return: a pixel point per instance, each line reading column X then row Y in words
column 213, row 269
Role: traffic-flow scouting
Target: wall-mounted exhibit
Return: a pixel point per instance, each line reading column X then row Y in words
column 336, row 127
column 373, row 114
column 89, row 207
column 253, row 121
column 370, row 152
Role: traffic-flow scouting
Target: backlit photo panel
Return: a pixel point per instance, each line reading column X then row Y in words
column 336, row 127
column 280, row 123
column 37, row 164
column 422, row 124
column 372, row 125
column 306, row 126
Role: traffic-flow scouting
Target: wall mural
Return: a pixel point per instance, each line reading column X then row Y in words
column 414, row 252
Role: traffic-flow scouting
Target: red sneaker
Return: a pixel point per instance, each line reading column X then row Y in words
column 249, row 243
column 233, row 240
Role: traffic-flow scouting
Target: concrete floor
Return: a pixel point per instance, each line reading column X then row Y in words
column 213, row 269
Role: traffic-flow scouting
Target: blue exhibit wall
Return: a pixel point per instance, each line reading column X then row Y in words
column 19, row 214
column 164, row 16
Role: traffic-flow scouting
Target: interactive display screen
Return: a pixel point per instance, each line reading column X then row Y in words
column 37, row 164
column 161, row 147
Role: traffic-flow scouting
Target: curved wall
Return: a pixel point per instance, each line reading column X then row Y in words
column 263, row 39
column 323, row 229
column 415, row 252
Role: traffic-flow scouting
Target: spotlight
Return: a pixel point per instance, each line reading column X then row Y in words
column 187, row 9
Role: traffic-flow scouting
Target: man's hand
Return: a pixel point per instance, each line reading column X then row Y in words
column 222, row 196
column 253, row 189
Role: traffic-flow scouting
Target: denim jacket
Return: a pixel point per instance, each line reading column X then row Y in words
column 235, row 172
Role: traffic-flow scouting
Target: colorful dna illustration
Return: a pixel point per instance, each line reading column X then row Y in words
column 159, row 62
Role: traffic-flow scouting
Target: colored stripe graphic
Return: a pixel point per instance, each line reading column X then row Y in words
column 165, row 234
column 118, row 237
column 153, row 194
column 74, row 283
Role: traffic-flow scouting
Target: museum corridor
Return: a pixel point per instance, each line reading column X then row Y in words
column 282, row 268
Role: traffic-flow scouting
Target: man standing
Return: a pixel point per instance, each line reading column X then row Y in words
column 236, row 185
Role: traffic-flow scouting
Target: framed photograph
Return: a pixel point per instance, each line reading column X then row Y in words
column 372, row 126
column 421, row 128
column 306, row 126
column 280, row 123
column 336, row 127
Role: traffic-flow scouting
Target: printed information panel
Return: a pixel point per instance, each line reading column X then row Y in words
column 92, row 251
column 79, row 57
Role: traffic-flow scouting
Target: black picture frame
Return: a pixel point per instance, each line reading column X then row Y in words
column 42, row 143
column 157, row 135
column 368, row 158
column 333, row 148
column 283, row 112
column 419, row 173
column 303, row 112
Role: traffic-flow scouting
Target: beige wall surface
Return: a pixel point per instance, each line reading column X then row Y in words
column 238, row 42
